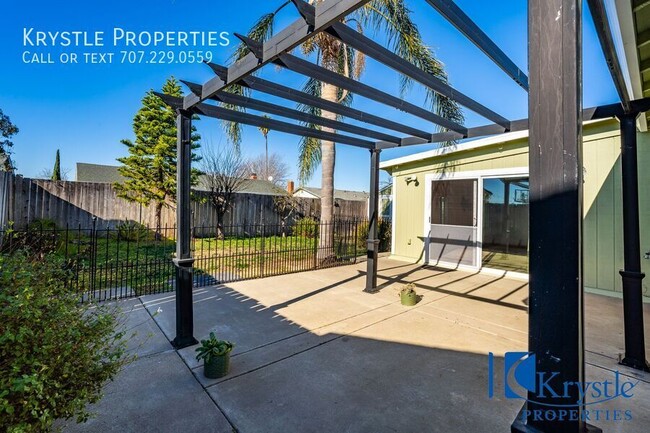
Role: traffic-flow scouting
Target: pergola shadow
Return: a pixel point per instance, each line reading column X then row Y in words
column 556, row 172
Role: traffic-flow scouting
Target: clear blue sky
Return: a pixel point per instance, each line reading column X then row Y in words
column 85, row 109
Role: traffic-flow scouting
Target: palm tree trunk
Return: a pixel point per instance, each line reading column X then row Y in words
column 328, row 160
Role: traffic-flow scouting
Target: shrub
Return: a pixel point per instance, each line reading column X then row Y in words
column 42, row 224
column 306, row 227
column 56, row 353
column 132, row 231
column 383, row 233
column 40, row 237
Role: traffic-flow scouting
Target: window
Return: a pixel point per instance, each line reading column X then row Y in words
column 452, row 202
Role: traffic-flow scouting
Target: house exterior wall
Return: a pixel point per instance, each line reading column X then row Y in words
column 603, row 230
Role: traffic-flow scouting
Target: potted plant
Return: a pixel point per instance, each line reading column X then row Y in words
column 215, row 355
column 408, row 296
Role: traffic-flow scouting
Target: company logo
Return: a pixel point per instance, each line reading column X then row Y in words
column 522, row 380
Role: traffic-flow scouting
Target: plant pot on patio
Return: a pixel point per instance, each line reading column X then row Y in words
column 215, row 355
column 408, row 296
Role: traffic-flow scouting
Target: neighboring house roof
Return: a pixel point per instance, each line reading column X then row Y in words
column 98, row 173
column 386, row 190
column 338, row 193
column 248, row 186
column 108, row 174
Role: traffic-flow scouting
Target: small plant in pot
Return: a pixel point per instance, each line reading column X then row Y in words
column 215, row 355
column 408, row 296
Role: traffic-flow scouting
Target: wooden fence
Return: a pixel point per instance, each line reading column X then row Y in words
column 73, row 204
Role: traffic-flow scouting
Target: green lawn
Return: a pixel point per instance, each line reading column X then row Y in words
column 145, row 265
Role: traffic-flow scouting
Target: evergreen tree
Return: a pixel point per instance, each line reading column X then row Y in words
column 150, row 167
column 7, row 131
column 56, row 171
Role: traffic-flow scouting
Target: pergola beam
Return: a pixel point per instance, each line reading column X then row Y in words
column 593, row 113
column 372, row 49
column 272, row 124
column 322, row 74
column 280, row 91
column 326, row 13
column 460, row 20
column 637, row 5
column 645, row 65
column 474, row 132
column 267, row 107
column 643, row 39
column 604, row 31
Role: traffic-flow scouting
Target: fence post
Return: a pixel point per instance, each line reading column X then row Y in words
column 93, row 254
column 355, row 227
column 263, row 250
column 316, row 242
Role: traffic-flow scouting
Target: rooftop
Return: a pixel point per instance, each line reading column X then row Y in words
column 98, row 173
column 340, row 194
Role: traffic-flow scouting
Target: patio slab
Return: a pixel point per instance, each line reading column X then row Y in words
column 315, row 353
column 156, row 392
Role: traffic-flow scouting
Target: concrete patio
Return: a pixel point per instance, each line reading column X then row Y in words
column 316, row 354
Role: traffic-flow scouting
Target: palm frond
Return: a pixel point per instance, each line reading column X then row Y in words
column 262, row 30
column 309, row 156
column 309, row 149
column 404, row 38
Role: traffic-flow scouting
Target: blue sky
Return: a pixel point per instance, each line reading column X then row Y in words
column 86, row 109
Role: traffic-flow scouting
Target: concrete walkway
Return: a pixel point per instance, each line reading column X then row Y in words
column 316, row 354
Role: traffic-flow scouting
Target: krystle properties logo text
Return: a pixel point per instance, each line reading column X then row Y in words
column 120, row 37
column 551, row 396
column 120, row 46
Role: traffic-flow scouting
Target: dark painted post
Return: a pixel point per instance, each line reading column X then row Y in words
column 631, row 275
column 556, row 284
column 183, row 261
column 373, row 210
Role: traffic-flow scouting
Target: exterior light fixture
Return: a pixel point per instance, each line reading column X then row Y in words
column 412, row 178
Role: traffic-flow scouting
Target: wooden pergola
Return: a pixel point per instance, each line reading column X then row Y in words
column 555, row 122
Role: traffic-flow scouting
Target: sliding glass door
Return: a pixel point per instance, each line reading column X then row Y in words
column 505, row 223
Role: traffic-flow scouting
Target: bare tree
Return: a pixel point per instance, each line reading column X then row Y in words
column 46, row 173
column 277, row 168
column 286, row 206
column 224, row 173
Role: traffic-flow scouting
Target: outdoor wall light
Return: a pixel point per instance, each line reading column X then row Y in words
column 412, row 178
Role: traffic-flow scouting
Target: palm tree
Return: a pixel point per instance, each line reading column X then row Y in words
column 388, row 16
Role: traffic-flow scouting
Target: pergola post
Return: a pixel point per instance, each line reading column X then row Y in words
column 631, row 274
column 373, row 210
column 556, row 335
column 183, row 260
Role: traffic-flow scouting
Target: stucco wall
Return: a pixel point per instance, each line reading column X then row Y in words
column 603, row 230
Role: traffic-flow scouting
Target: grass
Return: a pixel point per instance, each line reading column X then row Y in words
column 139, row 261
column 145, row 265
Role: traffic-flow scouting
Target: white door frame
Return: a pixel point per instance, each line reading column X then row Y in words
column 479, row 175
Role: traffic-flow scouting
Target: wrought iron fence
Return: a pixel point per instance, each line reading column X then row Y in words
column 133, row 260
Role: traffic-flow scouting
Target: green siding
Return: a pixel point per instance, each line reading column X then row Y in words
column 603, row 231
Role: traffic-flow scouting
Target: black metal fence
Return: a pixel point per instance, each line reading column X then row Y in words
column 133, row 260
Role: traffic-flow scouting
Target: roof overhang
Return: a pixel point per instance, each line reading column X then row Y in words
column 467, row 146
column 625, row 35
